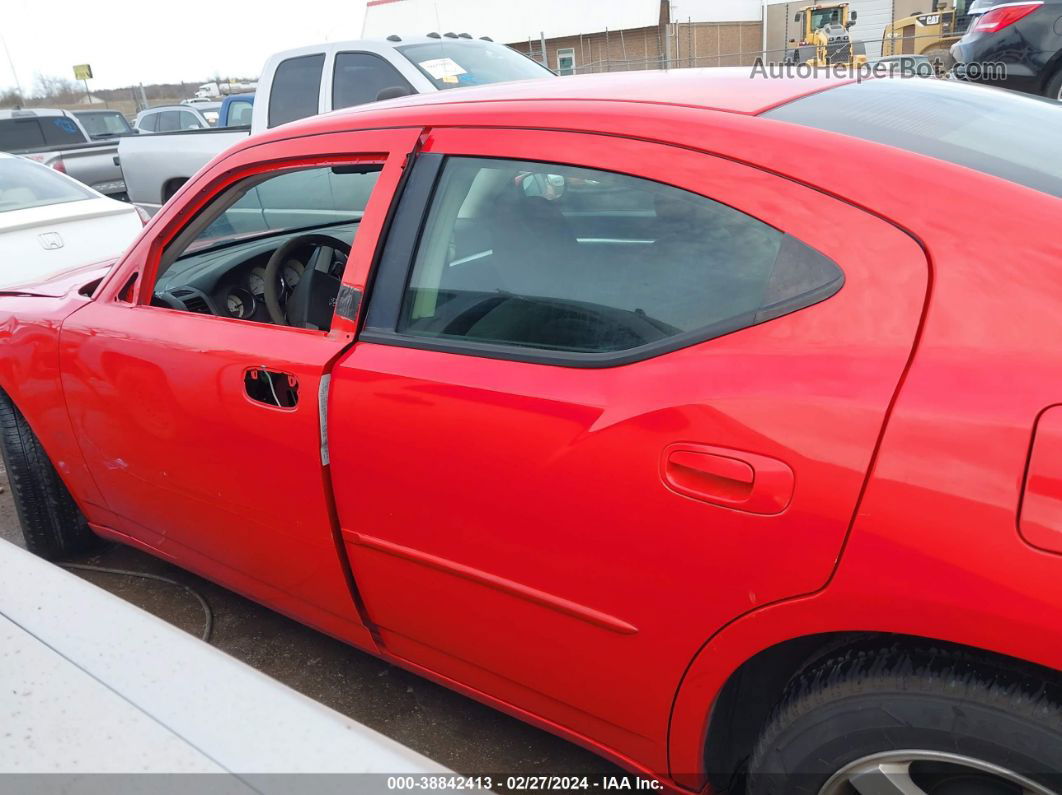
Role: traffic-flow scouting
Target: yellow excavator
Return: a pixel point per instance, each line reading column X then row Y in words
column 825, row 39
column 930, row 34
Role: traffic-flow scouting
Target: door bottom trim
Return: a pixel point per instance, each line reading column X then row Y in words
column 526, row 592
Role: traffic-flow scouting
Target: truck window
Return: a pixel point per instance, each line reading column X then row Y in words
column 20, row 134
column 359, row 77
column 451, row 64
column 239, row 113
column 61, row 131
column 296, row 89
column 103, row 123
column 36, row 131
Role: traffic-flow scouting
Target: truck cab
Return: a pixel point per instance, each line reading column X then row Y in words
column 317, row 79
column 322, row 77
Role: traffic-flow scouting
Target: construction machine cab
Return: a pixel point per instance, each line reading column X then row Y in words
column 824, row 38
column 813, row 18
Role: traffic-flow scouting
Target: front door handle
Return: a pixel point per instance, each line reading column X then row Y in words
column 731, row 478
column 273, row 388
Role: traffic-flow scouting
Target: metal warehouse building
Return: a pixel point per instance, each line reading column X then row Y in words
column 573, row 36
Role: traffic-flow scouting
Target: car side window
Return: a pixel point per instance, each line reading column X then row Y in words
column 169, row 121
column 296, row 89
column 578, row 261
column 149, row 122
column 359, row 77
column 189, row 121
column 219, row 263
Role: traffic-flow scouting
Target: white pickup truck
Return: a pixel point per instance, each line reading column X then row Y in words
column 316, row 79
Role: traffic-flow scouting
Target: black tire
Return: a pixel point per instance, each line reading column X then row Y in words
column 941, row 701
column 1054, row 87
column 52, row 524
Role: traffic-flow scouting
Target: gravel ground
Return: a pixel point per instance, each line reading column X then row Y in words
column 445, row 726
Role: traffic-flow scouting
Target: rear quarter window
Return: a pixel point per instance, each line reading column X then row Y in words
column 569, row 262
column 998, row 132
column 188, row 121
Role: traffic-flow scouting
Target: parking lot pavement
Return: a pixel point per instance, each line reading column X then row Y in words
column 455, row 731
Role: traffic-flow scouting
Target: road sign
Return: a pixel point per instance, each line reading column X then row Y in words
column 82, row 71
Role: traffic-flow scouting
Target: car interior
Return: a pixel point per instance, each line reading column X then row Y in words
column 271, row 250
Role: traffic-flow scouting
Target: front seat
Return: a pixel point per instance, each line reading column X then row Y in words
column 535, row 249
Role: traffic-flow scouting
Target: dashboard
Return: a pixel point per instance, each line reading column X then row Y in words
column 230, row 282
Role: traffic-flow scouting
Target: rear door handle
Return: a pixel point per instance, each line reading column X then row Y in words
column 731, row 478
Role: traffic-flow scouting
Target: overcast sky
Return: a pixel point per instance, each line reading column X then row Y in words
column 160, row 41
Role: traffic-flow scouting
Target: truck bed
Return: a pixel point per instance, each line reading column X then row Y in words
column 156, row 164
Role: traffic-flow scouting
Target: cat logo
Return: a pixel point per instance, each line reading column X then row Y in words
column 50, row 241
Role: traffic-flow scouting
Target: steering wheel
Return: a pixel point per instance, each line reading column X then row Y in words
column 313, row 283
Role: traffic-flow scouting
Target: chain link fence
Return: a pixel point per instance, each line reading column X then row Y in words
column 933, row 46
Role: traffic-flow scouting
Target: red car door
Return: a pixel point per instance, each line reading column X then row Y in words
column 201, row 424
column 554, row 492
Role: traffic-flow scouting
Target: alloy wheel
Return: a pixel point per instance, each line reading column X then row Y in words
column 927, row 773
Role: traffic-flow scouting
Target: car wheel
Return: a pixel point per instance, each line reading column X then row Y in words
column 52, row 524
column 914, row 722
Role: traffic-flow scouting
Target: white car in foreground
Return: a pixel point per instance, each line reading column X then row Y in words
column 50, row 223
column 90, row 684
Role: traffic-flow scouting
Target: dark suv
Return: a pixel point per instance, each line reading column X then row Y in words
column 1024, row 37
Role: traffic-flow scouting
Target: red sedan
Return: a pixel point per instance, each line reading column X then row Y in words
column 711, row 422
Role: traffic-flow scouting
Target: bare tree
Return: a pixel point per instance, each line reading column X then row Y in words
column 10, row 98
column 56, row 88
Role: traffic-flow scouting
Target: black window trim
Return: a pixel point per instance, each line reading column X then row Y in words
column 401, row 239
column 335, row 61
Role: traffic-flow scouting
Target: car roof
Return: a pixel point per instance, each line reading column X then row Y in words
column 729, row 89
column 166, row 107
